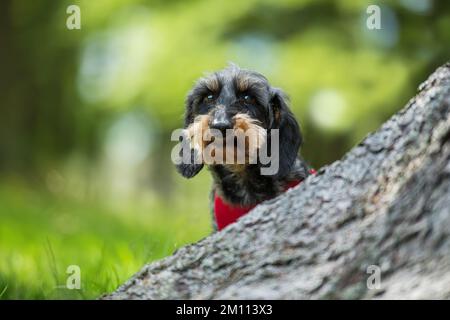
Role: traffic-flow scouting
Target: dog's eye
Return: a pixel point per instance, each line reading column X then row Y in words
column 248, row 98
column 209, row 98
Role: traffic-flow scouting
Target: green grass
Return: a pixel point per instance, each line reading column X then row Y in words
column 42, row 234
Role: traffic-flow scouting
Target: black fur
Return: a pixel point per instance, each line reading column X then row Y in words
column 290, row 136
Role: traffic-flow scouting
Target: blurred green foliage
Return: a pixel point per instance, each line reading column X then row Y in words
column 86, row 115
column 42, row 234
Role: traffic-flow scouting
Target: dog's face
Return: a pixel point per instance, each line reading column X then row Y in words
column 239, row 101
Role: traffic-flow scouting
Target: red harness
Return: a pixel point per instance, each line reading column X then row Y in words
column 226, row 213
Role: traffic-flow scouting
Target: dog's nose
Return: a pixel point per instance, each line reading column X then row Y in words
column 221, row 124
column 220, row 120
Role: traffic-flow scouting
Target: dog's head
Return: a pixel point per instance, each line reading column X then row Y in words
column 238, row 100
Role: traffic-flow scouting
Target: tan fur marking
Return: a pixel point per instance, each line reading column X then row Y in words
column 245, row 128
column 246, row 123
column 277, row 116
column 212, row 83
column 196, row 131
column 242, row 83
column 254, row 135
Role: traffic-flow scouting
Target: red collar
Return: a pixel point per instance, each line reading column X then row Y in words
column 225, row 213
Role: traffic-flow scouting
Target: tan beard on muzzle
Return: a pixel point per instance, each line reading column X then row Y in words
column 235, row 150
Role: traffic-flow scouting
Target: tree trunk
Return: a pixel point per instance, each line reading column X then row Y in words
column 383, row 210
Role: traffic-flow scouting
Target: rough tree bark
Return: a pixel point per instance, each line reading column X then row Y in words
column 386, row 203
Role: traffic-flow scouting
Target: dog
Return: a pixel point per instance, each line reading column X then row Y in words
column 241, row 100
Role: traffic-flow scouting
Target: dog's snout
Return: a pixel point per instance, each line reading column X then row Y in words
column 221, row 124
column 221, row 121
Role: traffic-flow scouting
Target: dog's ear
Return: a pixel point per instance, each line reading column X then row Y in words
column 290, row 138
column 190, row 168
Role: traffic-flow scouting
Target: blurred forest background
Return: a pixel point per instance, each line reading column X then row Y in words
column 86, row 115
